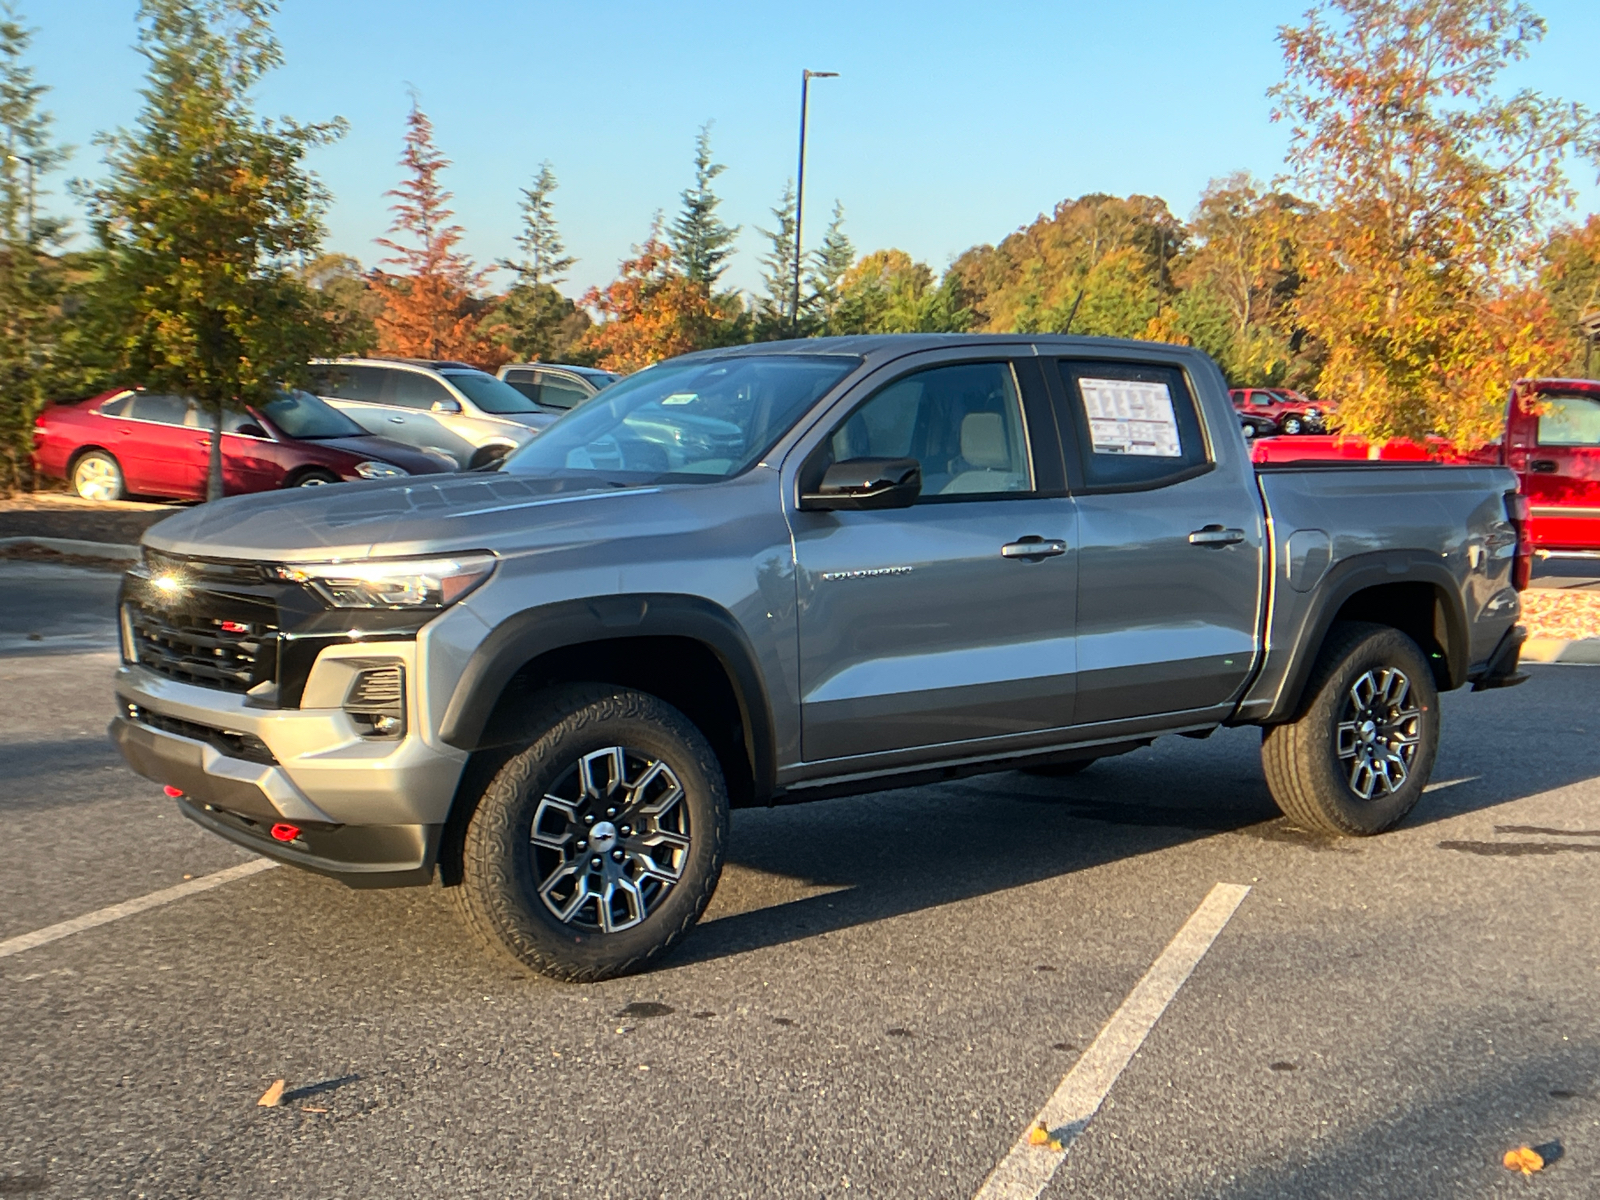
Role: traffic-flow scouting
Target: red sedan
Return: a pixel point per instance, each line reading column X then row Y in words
column 138, row 443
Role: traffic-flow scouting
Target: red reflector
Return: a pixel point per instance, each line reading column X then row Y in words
column 286, row 833
column 235, row 627
column 172, row 791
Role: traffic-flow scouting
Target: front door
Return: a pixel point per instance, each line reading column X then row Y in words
column 950, row 620
column 1169, row 545
column 1560, row 471
column 167, row 448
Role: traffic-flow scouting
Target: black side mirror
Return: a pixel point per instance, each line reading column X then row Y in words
column 250, row 429
column 867, row 483
column 448, row 407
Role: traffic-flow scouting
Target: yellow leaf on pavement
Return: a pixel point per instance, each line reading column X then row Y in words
column 1040, row 1136
column 273, row 1096
column 1524, row 1159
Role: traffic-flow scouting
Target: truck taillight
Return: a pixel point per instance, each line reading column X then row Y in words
column 1521, row 516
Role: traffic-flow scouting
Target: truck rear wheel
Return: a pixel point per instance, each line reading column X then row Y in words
column 596, row 848
column 1357, row 759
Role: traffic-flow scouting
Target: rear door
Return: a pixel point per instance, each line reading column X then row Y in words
column 166, row 449
column 918, row 627
column 1170, row 543
column 356, row 391
column 1555, row 448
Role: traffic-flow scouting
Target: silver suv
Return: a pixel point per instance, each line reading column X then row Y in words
column 557, row 387
column 434, row 405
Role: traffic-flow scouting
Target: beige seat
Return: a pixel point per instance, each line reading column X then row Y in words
column 986, row 463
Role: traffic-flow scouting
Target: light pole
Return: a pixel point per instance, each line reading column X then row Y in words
column 800, row 190
column 23, row 158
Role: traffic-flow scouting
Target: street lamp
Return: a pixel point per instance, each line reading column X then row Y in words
column 23, row 158
column 800, row 190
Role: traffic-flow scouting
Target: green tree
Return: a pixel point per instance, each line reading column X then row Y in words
column 351, row 303
column 204, row 214
column 31, row 270
column 774, row 315
column 534, row 321
column 888, row 292
column 701, row 242
column 829, row 263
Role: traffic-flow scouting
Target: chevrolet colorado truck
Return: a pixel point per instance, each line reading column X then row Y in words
column 789, row 571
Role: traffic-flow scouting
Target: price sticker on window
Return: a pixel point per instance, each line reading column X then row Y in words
column 1130, row 417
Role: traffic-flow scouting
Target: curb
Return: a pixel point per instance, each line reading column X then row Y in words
column 115, row 552
column 1584, row 651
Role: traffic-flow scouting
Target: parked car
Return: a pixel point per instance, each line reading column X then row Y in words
column 1551, row 440
column 1254, row 426
column 556, row 387
column 1289, row 411
column 136, row 443
column 435, row 405
column 924, row 556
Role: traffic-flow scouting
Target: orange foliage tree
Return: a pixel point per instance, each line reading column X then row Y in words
column 1432, row 190
column 430, row 307
column 652, row 311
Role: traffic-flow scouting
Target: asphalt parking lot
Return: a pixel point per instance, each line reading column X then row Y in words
column 886, row 990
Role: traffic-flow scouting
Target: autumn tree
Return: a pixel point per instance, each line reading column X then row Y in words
column 1432, row 189
column 653, row 311
column 1102, row 263
column 1237, row 279
column 534, row 321
column 204, row 213
column 701, row 242
column 888, row 292
column 1571, row 279
column 31, row 275
column 431, row 307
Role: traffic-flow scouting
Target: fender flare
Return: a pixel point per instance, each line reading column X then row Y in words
column 1357, row 574
column 526, row 635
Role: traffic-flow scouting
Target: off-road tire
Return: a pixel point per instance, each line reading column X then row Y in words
column 1305, row 774
column 497, row 898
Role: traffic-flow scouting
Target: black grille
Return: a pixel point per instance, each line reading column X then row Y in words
column 199, row 647
column 235, row 745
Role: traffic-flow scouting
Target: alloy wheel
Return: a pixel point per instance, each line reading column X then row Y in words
column 610, row 839
column 96, row 479
column 1379, row 733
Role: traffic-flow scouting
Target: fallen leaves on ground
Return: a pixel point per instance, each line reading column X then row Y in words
column 273, row 1096
column 1561, row 613
column 1525, row 1159
column 1039, row 1135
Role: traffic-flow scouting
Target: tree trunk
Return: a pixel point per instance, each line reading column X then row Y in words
column 214, row 472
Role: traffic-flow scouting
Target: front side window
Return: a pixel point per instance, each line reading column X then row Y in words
column 1136, row 425
column 962, row 422
column 684, row 422
column 301, row 415
column 415, row 390
column 1570, row 420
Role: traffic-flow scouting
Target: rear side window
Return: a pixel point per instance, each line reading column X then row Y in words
column 1135, row 424
column 117, row 406
column 1565, row 421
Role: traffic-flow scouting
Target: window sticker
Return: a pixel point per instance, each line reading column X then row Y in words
column 1128, row 417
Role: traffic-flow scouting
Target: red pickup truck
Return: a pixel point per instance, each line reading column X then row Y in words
column 1552, row 442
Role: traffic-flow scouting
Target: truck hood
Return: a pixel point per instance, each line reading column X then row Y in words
column 390, row 518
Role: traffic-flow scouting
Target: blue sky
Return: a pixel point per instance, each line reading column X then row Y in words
column 950, row 124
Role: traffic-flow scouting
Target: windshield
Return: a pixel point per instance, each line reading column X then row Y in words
column 490, row 394
column 302, row 415
column 685, row 422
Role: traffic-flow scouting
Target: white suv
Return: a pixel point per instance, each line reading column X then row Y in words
column 557, row 387
column 434, row 405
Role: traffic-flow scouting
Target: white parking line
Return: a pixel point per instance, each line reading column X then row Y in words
column 139, row 904
column 1025, row 1172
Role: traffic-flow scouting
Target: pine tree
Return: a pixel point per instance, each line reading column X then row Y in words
column 430, row 308
column 534, row 321
column 773, row 315
column 205, row 212
column 829, row 263
column 30, row 275
column 701, row 243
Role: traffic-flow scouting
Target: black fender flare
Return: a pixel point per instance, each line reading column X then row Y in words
column 1357, row 574
column 526, row 635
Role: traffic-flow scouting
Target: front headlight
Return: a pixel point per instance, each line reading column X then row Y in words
column 379, row 470
column 395, row 582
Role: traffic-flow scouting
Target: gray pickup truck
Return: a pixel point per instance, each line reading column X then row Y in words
column 788, row 571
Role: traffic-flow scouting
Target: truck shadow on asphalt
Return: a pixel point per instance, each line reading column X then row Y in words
column 892, row 853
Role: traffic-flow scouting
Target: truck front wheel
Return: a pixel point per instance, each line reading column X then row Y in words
column 1357, row 759
column 595, row 850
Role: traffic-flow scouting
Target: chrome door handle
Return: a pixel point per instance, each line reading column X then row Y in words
column 1543, row 466
column 1216, row 535
column 397, row 420
column 1032, row 548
